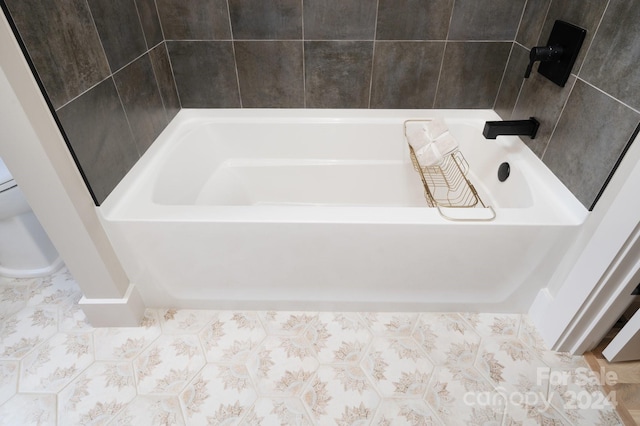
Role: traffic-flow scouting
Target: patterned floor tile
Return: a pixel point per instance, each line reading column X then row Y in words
column 277, row 367
column 339, row 337
column 29, row 409
column 405, row 412
column 168, row 365
column 579, row 396
column 72, row 317
column 127, row 342
column 533, row 415
column 54, row 289
column 55, row 363
column 398, row 367
column 393, row 324
column 287, row 323
column 277, row 411
column 151, row 411
column 216, row 396
column 282, row 365
column 494, row 325
column 341, row 394
column 13, row 297
column 22, row 332
column 97, row 395
column 461, row 396
column 530, row 337
column 180, row 321
column 8, row 379
column 510, row 365
column 440, row 333
column 232, row 336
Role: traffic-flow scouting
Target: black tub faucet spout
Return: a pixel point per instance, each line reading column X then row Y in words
column 493, row 129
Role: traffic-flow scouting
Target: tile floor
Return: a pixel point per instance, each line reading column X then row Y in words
column 273, row 368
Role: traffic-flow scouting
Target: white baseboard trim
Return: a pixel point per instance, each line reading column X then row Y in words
column 127, row 311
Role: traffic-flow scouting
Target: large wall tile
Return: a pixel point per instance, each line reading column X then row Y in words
column 99, row 134
column 150, row 22
column 471, row 74
column 485, row 19
column 405, row 74
column 512, row 81
column 337, row 73
column 63, row 44
column 205, row 73
column 532, row 21
column 612, row 63
column 542, row 99
column 270, row 73
column 590, row 136
column 266, row 19
column 585, row 14
column 413, row 19
column 120, row 30
column 142, row 103
column 164, row 76
column 339, row 19
column 194, row 19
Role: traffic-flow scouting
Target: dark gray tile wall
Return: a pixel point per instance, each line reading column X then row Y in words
column 102, row 139
column 164, row 77
column 413, row 19
column 142, row 102
column 485, row 19
column 283, row 85
column 150, row 22
column 194, row 19
column 339, row 19
column 585, row 125
column 266, row 19
column 355, row 54
column 338, row 73
column 473, row 74
column 512, row 81
column 120, row 30
column 63, row 44
column 588, row 140
column 205, row 73
column 405, row 74
column 328, row 54
column 107, row 74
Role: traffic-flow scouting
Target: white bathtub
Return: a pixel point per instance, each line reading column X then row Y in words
column 321, row 209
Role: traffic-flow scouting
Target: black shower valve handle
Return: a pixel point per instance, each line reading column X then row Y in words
column 543, row 54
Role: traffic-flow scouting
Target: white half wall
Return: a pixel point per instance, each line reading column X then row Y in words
column 35, row 152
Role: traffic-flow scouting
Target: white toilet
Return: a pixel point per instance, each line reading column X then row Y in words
column 25, row 249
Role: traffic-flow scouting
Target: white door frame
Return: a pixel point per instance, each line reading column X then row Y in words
column 603, row 268
column 625, row 346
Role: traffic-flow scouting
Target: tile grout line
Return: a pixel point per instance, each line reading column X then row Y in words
column 373, row 53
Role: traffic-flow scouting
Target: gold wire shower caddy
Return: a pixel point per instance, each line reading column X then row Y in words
column 446, row 185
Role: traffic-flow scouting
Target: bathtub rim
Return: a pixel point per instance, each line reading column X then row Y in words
column 132, row 200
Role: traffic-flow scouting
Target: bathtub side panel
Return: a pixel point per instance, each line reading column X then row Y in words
column 323, row 265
